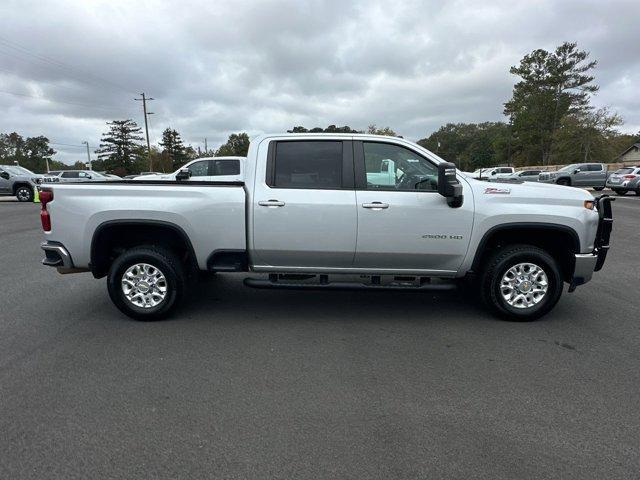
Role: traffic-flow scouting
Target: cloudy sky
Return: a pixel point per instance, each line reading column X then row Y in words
column 264, row 66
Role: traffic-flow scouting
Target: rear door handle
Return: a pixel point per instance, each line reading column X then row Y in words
column 271, row 203
column 375, row 205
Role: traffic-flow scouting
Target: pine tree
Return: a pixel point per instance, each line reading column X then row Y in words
column 174, row 148
column 120, row 146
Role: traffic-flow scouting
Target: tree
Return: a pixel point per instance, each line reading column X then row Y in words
column 173, row 147
column 552, row 85
column 374, row 130
column 471, row 145
column 32, row 153
column 587, row 136
column 121, row 146
column 237, row 145
column 329, row 129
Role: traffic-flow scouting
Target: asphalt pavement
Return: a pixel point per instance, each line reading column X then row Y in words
column 261, row 384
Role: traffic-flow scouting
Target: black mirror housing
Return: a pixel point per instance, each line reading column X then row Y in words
column 183, row 174
column 448, row 184
column 5, row 175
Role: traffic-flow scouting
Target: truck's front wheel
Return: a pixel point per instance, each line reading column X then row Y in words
column 521, row 282
column 146, row 283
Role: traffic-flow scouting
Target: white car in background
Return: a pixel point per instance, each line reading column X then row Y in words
column 219, row 169
column 492, row 173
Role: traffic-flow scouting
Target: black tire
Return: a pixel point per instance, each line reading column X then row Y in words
column 564, row 181
column 159, row 258
column 598, row 189
column 638, row 191
column 620, row 192
column 498, row 265
column 24, row 193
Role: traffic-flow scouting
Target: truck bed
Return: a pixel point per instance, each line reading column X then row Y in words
column 211, row 214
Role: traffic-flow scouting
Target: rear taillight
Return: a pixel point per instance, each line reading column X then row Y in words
column 630, row 177
column 45, row 197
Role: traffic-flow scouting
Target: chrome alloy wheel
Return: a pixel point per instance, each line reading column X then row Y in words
column 524, row 285
column 144, row 285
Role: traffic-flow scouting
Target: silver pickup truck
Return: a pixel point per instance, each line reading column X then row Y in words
column 315, row 212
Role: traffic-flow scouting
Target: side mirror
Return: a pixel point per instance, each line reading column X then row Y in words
column 448, row 184
column 577, row 170
column 183, row 174
column 5, row 175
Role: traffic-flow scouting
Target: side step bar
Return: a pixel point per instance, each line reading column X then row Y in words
column 264, row 283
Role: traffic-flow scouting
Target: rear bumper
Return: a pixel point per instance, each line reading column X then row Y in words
column 587, row 263
column 56, row 255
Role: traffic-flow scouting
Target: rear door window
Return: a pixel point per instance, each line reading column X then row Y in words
column 226, row 167
column 307, row 164
column 70, row 174
column 594, row 167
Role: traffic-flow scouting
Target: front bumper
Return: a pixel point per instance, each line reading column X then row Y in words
column 587, row 263
column 56, row 255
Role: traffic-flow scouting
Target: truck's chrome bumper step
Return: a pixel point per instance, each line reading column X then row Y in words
column 266, row 283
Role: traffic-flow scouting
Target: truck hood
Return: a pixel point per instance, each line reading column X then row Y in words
column 544, row 192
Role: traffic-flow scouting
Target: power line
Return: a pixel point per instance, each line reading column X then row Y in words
column 5, row 42
column 60, row 101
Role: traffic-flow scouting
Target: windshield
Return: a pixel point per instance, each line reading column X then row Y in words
column 568, row 167
column 16, row 170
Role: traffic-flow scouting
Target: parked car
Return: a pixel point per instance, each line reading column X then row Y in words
column 308, row 215
column 623, row 180
column 64, row 176
column 578, row 175
column 18, row 182
column 220, row 169
column 524, row 175
column 493, row 173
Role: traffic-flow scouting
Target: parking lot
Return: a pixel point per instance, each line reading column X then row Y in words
column 261, row 384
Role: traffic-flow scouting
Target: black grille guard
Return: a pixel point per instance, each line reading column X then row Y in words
column 605, row 225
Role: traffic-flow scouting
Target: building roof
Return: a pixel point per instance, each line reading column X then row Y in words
column 635, row 145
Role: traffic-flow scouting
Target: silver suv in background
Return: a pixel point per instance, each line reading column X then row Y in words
column 623, row 180
column 578, row 175
column 18, row 182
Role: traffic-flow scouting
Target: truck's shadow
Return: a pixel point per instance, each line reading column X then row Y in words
column 226, row 298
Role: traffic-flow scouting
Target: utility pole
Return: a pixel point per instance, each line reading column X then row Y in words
column 88, row 156
column 144, row 101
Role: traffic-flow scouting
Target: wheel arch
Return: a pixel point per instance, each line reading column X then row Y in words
column 113, row 235
column 560, row 241
column 17, row 185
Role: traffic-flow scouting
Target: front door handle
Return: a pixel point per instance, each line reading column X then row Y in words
column 375, row 205
column 271, row 203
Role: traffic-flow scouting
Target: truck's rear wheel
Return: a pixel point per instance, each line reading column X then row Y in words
column 146, row 283
column 521, row 282
column 564, row 181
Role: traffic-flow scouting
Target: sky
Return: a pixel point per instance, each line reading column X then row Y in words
column 215, row 68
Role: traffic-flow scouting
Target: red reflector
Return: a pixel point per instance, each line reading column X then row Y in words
column 45, row 219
